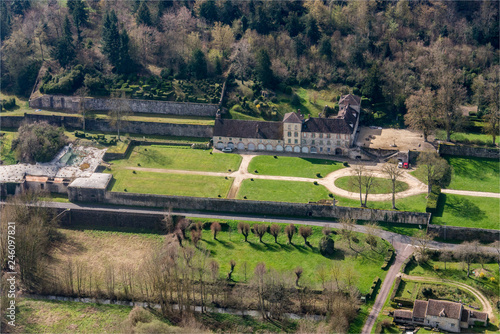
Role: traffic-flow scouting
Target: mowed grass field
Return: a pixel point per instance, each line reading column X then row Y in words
column 468, row 211
column 180, row 158
column 6, row 154
column 292, row 166
column 475, row 174
column 380, row 185
column 281, row 191
column 125, row 180
column 283, row 257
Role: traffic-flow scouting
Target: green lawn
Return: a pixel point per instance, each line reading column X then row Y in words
column 380, row 186
column 291, row 166
column 285, row 258
column 170, row 184
column 281, row 191
column 466, row 136
column 6, row 154
column 475, row 174
column 44, row 316
column 414, row 203
column 180, row 158
column 468, row 211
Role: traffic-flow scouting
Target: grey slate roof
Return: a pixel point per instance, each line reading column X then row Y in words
column 248, row 129
column 327, row 125
column 419, row 308
column 293, row 117
column 350, row 99
column 444, row 308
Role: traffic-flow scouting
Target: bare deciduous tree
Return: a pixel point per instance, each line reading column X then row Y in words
column 259, row 230
column 420, row 116
column 298, row 273
column 467, row 252
column 347, row 229
column 434, row 168
column 275, row 231
column 394, row 174
column 244, row 228
column 363, row 180
column 290, row 231
column 305, row 232
column 216, row 228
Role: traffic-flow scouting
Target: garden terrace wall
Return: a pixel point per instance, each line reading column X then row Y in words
column 145, row 128
column 10, row 121
column 72, row 104
column 469, row 151
column 458, row 233
column 247, row 207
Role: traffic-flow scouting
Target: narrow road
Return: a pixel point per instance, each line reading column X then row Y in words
column 403, row 252
column 470, row 193
column 482, row 299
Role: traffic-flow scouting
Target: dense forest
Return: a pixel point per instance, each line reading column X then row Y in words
column 401, row 54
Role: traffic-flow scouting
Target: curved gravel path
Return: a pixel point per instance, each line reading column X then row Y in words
column 415, row 186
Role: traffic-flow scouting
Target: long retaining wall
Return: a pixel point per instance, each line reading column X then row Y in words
column 146, row 128
column 457, row 233
column 469, row 151
column 247, row 207
column 72, row 104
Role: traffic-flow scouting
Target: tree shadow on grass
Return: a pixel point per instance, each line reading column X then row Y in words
column 257, row 246
column 210, row 242
column 151, row 155
column 463, row 207
column 226, row 244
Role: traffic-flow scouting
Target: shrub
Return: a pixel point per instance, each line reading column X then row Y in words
column 38, row 142
column 9, row 103
column 404, row 301
column 326, row 246
column 288, row 90
column 315, row 183
column 345, row 164
column 396, row 288
column 138, row 314
column 433, row 199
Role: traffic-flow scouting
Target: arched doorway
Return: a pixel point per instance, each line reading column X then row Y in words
column 314, row 150
column 288, row 149
column 279, row 148
column 251, row 147
column 230, row 145
column 220, row 145
column 269, row 147
column 296, row 149
column 261, row 147
column 241, row 146
column 305, row 149
column 338, row 151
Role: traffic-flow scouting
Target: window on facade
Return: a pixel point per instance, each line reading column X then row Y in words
column 328, row 149
column 321, row 142
column 289, row 141
column 304, row 135
column 296, row 127
column 289, row 133
column 328, row 143
column 220, row 138
column 230, row 138
column 313, row 135
column 240, row 139
column 321, row 149
column 321, row 135
column 338, row 142
column 296, row 141
column 313, row 142
column 328, row 136
column 289, row 127
column 296, row 134
column 303, row 141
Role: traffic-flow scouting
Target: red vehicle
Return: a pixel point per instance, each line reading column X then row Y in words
column 406, row 165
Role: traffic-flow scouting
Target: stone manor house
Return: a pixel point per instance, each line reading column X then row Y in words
column 445, row 315
column 316, row 135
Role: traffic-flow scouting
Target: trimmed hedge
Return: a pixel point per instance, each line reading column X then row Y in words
column 433, row 199
column 388, row 259
column 404, row 301
column 396, row 287
column 373, row 288
column 406, row 262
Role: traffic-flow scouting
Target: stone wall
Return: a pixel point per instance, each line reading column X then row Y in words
column 101, row 218
column 146, row 128
column 10, row 121
column 249, row 207
column 469, row 151
column 72, row 104
column 464, row 233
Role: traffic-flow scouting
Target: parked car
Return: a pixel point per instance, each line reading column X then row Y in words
column 227, row 150
column 406, row 165
column 400, row 164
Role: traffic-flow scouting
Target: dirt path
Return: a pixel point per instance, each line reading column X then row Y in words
column 484, row 301
column 470, row 193
column 403, row 252
column 415, row 186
